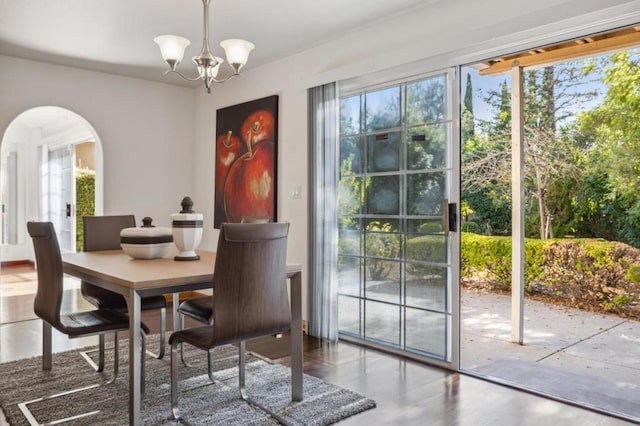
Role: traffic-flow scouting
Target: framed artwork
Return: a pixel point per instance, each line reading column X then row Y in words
column 246, row 161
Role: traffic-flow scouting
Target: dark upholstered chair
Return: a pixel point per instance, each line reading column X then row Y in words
column 49, row 299
column 250, row 295
column 200, row 308
column 103, row 233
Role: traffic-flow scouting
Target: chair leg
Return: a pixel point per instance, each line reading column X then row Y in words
column 241, row 363
column 243, row 391
column 181, row 345
column 163, row 330
column 143, row 363
column 46, row 346
column 210, row 366
column 101, row 353
column 174, row 381
column 116, row 356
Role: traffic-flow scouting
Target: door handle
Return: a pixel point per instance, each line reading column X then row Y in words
column 449, row 217
column 68, row 210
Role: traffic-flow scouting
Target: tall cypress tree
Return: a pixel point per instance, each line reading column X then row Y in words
column 468, row 119
column 548, row 100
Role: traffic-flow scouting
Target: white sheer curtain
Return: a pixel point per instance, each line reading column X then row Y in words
column 323, row 216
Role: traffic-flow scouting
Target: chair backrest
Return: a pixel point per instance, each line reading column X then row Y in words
column 103, row 232
column 250, row 296
column 49, row 268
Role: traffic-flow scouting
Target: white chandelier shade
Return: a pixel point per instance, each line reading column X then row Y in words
column 172, row 47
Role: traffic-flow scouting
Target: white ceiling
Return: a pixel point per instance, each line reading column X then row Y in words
column 117, row 35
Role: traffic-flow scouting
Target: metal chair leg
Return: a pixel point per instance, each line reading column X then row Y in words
column 241, row 363
column 243, row 391
column 101, row 353
column 174, row 381
column 181, row 345
column 143, row 346
column 46, row 346
column 163, row 331
column 210, row 366
column 116, row 357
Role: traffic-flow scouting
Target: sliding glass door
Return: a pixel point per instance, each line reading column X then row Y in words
column 398, row 190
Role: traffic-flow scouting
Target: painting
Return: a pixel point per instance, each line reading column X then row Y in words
column 246, row 161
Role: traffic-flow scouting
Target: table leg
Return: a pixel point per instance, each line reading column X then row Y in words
column 296, row 337
column 135, row 360
column 174, row 309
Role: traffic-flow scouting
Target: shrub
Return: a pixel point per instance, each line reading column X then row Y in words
column 584, row 273
column 381, row 242
column 592, row 274
column 427, row 248
column 85, row 200
column 487, row 258
column 471, row 227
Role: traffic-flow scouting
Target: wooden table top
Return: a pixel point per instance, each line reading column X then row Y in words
column 119, row 268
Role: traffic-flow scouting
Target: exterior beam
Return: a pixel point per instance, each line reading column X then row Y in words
column 517, row 206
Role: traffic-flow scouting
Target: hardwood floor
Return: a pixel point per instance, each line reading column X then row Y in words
column 406, row 392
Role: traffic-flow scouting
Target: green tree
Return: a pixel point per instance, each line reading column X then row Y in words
column 468, row 119
column 614, row 143
column 549, row 94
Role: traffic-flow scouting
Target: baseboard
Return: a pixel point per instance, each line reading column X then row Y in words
column 183, row 296
column 10, row 263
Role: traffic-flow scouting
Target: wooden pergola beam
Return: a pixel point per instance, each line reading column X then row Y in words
column 570, row 52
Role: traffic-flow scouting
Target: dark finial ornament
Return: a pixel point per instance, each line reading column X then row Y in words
column 187, row 204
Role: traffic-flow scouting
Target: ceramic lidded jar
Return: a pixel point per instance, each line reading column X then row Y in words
column 146, row 242
column 187, row 231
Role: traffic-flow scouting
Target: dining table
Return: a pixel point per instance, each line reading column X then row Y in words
column 135, row 278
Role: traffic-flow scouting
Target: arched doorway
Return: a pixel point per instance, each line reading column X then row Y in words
column 51, row 165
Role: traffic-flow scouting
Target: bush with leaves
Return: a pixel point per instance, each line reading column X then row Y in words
column 593, row 275
column 85, row 200
column 381, row 243
column 584, row 273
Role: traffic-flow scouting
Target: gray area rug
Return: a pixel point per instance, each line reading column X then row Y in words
column 201, row 401
column 620, row 399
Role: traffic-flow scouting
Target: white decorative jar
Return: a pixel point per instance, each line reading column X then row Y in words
column 146, row 242
column 187, row 231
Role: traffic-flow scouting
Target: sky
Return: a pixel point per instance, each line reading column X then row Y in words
column 482, row 85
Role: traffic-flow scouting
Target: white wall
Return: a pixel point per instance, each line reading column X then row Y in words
column 452, row 33
column 146, row 129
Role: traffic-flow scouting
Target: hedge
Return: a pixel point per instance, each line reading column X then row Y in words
column 85, row 200
column 584, row 273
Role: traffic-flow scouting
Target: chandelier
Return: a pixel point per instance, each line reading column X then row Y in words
column 172, row 48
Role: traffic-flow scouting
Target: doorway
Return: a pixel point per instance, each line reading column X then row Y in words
column 571, row 234
column 45, row 151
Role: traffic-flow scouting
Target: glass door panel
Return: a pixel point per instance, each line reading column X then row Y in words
column 59, row 195
column 395, row 254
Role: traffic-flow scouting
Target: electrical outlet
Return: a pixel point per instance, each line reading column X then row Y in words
column 296, row 192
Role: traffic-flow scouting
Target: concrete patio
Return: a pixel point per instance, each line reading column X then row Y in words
column 572, row 354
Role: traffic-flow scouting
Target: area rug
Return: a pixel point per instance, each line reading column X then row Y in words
column 201, row 401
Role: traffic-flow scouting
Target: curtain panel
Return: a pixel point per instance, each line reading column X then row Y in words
column 323, row 217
